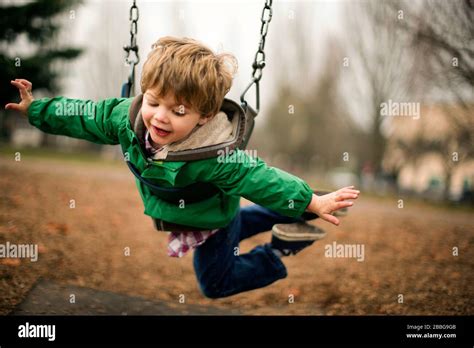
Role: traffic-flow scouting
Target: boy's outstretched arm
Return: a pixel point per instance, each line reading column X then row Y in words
column 98, row 122
column 240, row 175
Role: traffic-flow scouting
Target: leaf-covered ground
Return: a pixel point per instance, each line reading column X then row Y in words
column 408, row 251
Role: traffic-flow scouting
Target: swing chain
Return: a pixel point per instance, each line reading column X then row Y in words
column 127, row 87
column 132, row 47
column 259, row 60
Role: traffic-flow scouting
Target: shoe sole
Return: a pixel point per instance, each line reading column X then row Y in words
column 297, row 237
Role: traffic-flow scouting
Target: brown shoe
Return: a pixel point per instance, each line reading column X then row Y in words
column 297, row 232
column 290, row 239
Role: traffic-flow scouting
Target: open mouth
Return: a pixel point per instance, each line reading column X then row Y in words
column 160, row 132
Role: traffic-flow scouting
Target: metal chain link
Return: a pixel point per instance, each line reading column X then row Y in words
column 259, row 60
column 127, row 87
column 132, row 47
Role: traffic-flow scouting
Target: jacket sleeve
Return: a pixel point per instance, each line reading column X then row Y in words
column 97, row 122
column 250, row 177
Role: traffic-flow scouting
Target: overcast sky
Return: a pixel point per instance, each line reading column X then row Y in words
column 231, row 26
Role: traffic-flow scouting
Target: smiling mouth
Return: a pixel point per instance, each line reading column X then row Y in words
column 161, row 132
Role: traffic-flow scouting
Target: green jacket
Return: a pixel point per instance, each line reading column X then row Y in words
column 107, row 122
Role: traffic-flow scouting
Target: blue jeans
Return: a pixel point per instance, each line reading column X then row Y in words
column 222, row 272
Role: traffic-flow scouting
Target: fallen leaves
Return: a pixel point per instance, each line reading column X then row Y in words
column 10, row 262
column 56, row 228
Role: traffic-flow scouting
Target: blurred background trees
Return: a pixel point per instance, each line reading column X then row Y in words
column 442, row 34
column 400, row 51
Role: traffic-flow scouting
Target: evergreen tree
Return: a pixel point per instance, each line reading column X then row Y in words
column 38, row 23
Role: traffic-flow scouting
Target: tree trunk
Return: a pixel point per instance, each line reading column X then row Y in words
column 447, row 184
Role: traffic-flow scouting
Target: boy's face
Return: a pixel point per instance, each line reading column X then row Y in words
column 167, row 120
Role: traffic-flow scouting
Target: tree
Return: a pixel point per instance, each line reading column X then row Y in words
column 312, row 128
column 380, row 67
column 40, row 23
column 443, row 33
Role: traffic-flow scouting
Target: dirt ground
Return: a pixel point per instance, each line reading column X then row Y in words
column 408, row 251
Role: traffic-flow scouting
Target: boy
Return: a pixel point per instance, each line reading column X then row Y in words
column 183, row 85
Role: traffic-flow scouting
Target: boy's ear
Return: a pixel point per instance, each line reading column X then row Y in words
column 204, row 119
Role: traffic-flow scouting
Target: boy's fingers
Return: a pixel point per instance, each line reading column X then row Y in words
column 331, row 218
column 349, row 188
column 18, row 85
column 341, row 205
column 12, row 106
column 25, row 83
column 15, row 82
column 343, row 196
column 27, row 87
column 351, row 192
column 21, row 88
column 344, row 189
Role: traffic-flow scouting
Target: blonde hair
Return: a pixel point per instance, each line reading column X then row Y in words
column 191, row 71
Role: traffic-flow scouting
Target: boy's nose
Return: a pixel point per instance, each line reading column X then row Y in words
column 161, row 116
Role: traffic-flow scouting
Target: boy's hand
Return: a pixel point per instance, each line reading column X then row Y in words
column 24, row 86
column 327, row 204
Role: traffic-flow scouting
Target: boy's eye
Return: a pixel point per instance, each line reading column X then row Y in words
column 153, row 104
column 180, row 110
column 179, row 113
